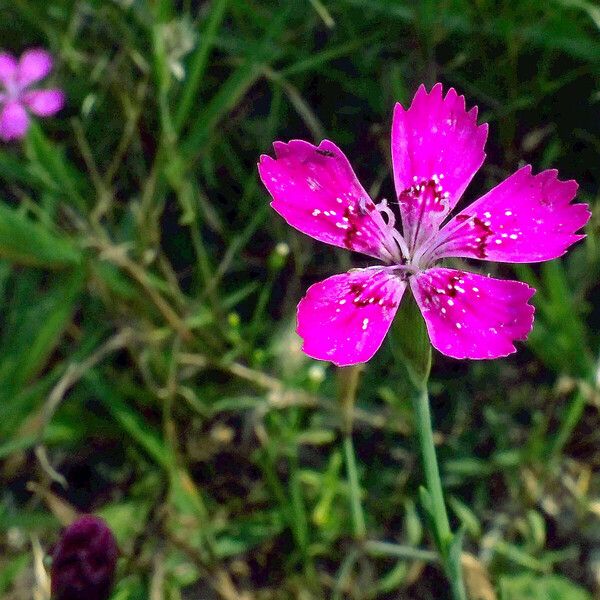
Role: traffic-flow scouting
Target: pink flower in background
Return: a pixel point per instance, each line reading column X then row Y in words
column 17, row 99
column 437, row 147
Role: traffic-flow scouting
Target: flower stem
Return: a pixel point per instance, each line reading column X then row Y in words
column 437, row 508
column 432, row 472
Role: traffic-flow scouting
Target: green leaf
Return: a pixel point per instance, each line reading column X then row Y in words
column 10, row 570
column 27, row 242
column 412, row 523
column 33, row 330
column 60, row 307
column 126, row 519
column 52, row 165
column 467, row 517
column 130, row 588
column 560, row 334
column 534, row 587
column 14, row 170
column 243, row 534
column 329, row 488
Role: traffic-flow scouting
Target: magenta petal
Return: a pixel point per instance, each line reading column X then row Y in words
column 34, row 65
column 472, row 316
column 316, row 191
column 345, row 317
column 13, row 121
column 526, row 218
column 8, row 69
column 437, row 147
column 44, row 103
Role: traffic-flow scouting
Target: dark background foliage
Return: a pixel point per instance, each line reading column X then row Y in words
column 149, row 369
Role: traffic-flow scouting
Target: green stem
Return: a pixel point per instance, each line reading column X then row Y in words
column 437, row 507
column 432, row 472
column 358, row 518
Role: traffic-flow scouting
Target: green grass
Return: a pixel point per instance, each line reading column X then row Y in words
column 149, row 369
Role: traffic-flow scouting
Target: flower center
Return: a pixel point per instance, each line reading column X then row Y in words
column 12, row 90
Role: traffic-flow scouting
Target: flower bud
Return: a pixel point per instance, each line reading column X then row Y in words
column 84, row 561
column 278, row 257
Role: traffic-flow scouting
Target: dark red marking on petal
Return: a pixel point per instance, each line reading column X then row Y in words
column 476, row 234
column 436, row 135
column 327, row 153
column 427, row 193
column 365, row 295
column 423, row 206
column 345, row 317
column 470, row 315
column 526, row 218
column 313, row 187
column 352, row 222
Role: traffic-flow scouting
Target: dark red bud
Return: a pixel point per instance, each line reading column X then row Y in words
column 84, row 561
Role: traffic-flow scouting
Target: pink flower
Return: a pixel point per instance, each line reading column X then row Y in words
column 16, row 97
column 437, row 147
